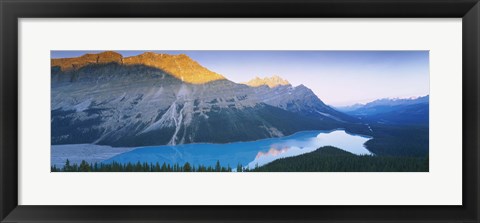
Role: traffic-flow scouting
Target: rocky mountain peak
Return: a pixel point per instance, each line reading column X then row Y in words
column 180, row 66
column 67, row 64
column 109, row 57
column 271, row 82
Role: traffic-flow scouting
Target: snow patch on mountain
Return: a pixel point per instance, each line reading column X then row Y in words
column 178, row 124
column 330, row 116
column 168, row 119
column 82, row 106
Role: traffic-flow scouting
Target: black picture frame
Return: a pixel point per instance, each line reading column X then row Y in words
column 11, row 11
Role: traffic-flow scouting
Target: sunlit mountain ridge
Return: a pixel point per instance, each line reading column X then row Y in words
column 180, row 66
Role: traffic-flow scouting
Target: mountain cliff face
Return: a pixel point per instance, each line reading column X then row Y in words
column 157, row 99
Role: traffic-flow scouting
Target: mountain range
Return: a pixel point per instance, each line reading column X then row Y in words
column 160, row 99
column 392, row 111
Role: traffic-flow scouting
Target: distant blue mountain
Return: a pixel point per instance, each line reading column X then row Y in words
column 392, row 111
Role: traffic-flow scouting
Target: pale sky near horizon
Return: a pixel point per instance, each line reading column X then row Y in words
column 338, row 78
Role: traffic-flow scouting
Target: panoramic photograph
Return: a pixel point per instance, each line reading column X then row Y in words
column 239, row 111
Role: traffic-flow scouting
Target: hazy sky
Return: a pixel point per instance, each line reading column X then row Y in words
column 337, row 77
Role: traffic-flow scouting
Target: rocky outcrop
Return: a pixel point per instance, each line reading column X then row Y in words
column 271, row 82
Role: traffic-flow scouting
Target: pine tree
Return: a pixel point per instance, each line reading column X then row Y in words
column 218, row 168
column 164, row 167
column 67, row 167
column 84, row 166
column 157, row 167
column 187, row 167
column 239, row 168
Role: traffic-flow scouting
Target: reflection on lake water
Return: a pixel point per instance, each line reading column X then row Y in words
column 249, row 154
column 298, row 146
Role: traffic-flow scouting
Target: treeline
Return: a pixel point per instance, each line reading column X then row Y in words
column 140, row 167
column 405, row 140
column 331, row 159
column 325, row 159
column 395, row 140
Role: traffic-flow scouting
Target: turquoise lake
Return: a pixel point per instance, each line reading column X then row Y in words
column 249, row 154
